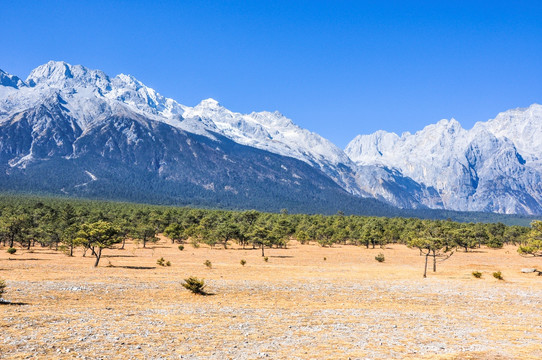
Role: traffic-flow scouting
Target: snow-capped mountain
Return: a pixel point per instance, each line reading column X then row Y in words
column 67, row 129
column 495, row 166
column 274, row 132
column 92, row 96
column 97, row 127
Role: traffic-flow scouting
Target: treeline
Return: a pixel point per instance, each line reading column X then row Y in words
column 93, row 225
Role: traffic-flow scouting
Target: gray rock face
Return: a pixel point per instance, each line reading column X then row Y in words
column 492, row 167
column 391, row 186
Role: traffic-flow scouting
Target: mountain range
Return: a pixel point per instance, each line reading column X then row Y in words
column 70, row 130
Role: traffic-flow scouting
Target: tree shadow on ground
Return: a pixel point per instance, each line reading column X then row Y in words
column 38, row 251
column 9, row 303
column 204, row 294
column 118, row 256
column 29, row 259
column 133, row 267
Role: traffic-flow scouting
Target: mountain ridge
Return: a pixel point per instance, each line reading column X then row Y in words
column 470, row 163
column 492, row 167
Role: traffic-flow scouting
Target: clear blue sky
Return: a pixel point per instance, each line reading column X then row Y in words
column 339, row 68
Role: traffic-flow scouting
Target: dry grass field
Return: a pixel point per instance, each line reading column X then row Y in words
column 295, row 306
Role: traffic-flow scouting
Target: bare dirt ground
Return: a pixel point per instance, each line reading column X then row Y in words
column 295, row 306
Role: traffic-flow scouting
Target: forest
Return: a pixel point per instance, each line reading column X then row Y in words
column 93, row 226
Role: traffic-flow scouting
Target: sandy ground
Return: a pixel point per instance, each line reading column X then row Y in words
column 295, row 306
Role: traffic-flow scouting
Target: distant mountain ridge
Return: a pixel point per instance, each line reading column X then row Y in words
column 87, row 123
column 495, row 166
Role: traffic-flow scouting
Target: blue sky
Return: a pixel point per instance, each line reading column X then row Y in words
column 339, row 68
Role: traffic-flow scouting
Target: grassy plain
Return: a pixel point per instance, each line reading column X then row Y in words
column 295, row 306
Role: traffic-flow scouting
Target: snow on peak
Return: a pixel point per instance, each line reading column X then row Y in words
column 127, row 89
column 270, row 131
column 523, row 126
column 450, row 125
column 62, row 75
column 128, row 80
column 52, row 71
column 91, row 94
column 10, row 80
column 209, row 103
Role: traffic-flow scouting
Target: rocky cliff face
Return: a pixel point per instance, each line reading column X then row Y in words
column 491, row 167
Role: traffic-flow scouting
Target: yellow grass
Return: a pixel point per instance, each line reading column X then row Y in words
column 295, row 306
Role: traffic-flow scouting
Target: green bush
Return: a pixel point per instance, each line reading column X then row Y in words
column 495, row 244
column 208, row 264
column 477, row 274
column 181, row 247
column 163, row 262
column 243, row 262
column 380, row 257
column 2, row 288
column 266, row 259
column 498, row 275
column 194, row 285
column 12, row 251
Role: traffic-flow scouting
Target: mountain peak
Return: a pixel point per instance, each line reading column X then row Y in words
column 209, row 103
column 60, row 74
column 128, row 79
column 52, row 70
column 448, row 123
column 11, row 80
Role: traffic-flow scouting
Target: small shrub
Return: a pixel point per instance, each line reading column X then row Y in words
column 194, row 243
column 194, row 285
column 208, row 264
column 243, row 262
column 477, row 274
column 2, row 288
column 181, row 247
column 325, row 258
column 498, row 275
column 266, row 259
column 163, row 262
column 380, row 257
column 12, row 251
